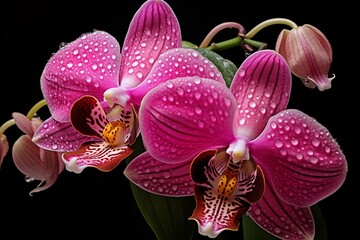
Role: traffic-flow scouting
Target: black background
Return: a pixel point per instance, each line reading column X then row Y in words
column 100, row 205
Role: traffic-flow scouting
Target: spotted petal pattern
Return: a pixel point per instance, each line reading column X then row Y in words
column 100, row 155
column 223, row 191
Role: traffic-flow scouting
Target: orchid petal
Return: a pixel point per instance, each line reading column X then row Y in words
column 281, row 219
column 100, row 155
column 261, row 87
column 222, row 194
column 59, row 136
column 173, row 63
column 153, row 29
column 182, row 117
column 88, row 117
column 305, row 161
column 160, row 178
column 23, row 123
column 4, row 148
column 27, row 159
column 87, row 66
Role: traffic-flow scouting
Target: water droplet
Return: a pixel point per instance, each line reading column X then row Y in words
column 169, row 84
column 198, row 110
column 315, row 142
column 242, row 72
column 273, row 125
column 54, row 147
column 294, row 141
column 197, row 95
column 252, row 104
column 242, row 121
column 94, row 66
column 297, row 130
column 200, row 124
column 180, row 91
column 278, row 143
column 88, row 78
column 314, row 160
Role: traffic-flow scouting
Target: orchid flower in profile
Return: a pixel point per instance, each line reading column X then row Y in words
column 34, row 162
column 243, row 151
column 308, row 53
column 93, row 63
column 4, row 147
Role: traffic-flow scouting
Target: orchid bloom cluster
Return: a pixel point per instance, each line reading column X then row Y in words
column 212, row 130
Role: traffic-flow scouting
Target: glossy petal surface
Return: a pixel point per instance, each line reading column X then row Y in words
column 309, row 55
column 185, row 116
column 281, row 219
column 88, row 65
column 153, row 29
column 261, row 87
column 160, row 178
column 100, row 155
column 304, row 162
column 173, row 63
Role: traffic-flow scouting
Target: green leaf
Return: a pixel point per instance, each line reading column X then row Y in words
column 253, row 231
column 320, row 225
column 225, row 66
column 167, row 216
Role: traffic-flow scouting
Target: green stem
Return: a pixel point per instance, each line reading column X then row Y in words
column 219, row 28
column 235, row 42
column 6, row 125
column 36, row 108
column 269, row 22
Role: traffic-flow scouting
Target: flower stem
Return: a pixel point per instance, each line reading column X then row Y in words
column 269, row 22
column 6, row 125
column 218, row 28
column 237, row 41
column 36, row 108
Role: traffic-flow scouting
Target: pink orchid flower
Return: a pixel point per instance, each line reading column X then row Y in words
column 313, row 56
column 241, row 148
column 34, row 162
column 93, row 63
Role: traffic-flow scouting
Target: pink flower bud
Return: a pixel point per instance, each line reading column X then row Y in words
column 309, row 55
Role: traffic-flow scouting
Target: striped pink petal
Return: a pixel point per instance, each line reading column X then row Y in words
column 153, row 29
column 304, row 162
column 187, row 115
column 281, row 219
column 261, row 87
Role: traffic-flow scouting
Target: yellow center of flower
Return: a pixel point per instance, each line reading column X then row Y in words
column 226, row 186
column 114, row 133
